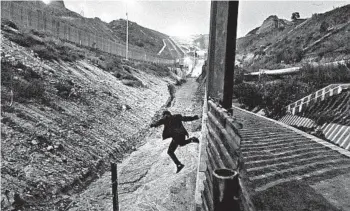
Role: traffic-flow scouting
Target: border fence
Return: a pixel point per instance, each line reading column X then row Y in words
column 41, row 20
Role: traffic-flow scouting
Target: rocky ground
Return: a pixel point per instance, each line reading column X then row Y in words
column 63, row 136
column 147, row 178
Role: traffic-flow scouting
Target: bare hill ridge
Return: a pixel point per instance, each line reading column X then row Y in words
column 139, row 37
column 279, row 43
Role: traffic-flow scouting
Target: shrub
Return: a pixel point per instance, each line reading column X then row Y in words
column 25, row 40
column 23, row 90
column 324, row 117
column 45, row 52
column 113, row 64
column 273, row 96
column 41, row 34
column 321, row 76
column 132, row 83
column 63, row 88
column 8, row 23
column 324, row 26
column 6, row 72
column 9, row 71
column 248, row 95
column 140, row 43
column 129, row 77
column 180, row 82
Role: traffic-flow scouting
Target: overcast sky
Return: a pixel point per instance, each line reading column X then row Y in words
column 192, row 17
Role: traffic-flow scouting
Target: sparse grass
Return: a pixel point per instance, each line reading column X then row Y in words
column 273, row 96
column 29, row 90
column 139, row 36
column 25, row 39
column 296, row 42
column 5, row 22
column 180, row 82
column 63, row 89
column 124, row 70
column 321, row 76
column 25, row 83
column 44, row 46
column 132, row 83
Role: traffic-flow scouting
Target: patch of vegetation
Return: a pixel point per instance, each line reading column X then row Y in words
column 322, row 37
column 320, row 76
column 23, row 81
column 132, row 83
column 45, row 47
column 64, row 88
column 5, row 22
column 139, row 36
column 273, row 95
column 124, row 70
column 180, row 82
column 29, row 90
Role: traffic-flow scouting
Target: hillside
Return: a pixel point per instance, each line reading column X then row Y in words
column 279, row 43
column 66, row 113
column 202, row 40
column 139, row 37
column 189, row 43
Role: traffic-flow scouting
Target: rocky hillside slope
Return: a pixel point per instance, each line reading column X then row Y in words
column 279, row 43
column 202, row 41
column 139, row 37
column 64, row 117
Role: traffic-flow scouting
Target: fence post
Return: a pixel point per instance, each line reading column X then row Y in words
column 115, row 186
column 225, row 190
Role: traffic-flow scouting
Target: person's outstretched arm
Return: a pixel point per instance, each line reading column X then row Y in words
column 189, row 118
column 157, row 123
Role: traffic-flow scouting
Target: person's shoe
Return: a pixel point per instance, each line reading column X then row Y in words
column 195, row 140
column 179, row 167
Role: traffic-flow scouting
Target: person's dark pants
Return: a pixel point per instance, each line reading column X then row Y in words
column 177, row 141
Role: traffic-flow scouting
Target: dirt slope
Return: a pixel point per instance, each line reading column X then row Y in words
column 147, row 178
column 54, row 146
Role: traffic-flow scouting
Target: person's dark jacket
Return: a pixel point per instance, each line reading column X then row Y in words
column 173, row 125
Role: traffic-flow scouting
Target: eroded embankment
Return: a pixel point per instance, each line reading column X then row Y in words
column 57, row 141
column 147, row 178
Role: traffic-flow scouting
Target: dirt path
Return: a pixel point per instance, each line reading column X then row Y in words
column 147, row 178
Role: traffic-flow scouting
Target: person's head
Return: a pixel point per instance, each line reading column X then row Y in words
column 166, row 114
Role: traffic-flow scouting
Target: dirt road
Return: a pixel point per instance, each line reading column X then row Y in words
column 147, row 178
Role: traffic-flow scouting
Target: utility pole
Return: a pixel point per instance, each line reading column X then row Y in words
column 127, row 32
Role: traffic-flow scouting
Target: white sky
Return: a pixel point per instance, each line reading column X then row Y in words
column 192, row 17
